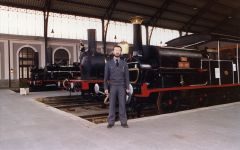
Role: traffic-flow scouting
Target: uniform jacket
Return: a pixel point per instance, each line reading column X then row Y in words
column 114, row 75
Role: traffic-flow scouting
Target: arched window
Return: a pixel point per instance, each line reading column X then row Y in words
column 26, row 62
column 61, row 57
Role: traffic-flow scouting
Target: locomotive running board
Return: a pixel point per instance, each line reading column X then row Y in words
column 145, row 91
column 85, row 83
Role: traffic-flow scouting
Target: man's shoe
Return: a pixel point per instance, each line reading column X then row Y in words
column 125, row 125
column 110, row 125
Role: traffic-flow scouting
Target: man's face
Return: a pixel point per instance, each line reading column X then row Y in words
column 117, row 51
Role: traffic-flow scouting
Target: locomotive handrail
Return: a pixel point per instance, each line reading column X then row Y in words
column 63, row 71
column 169, row 68
column 135, row 62
column 145, row 66
column 181, row 69
column 134, row 69
column 199, row 84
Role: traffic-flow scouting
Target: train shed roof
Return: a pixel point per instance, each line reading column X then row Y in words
column 198, row 16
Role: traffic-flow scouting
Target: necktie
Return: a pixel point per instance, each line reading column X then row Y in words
column 117, row 63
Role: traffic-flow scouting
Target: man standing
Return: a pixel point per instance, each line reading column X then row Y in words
column 116, row 77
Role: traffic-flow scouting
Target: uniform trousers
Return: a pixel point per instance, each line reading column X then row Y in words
column 117, row 92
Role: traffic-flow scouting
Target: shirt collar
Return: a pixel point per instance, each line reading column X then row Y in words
column 115, row 59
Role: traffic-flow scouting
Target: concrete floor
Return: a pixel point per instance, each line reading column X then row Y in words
column 29, row 125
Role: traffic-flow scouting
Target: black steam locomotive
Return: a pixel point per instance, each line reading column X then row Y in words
column 185, row 77
column 53, row 75
column 78, row 76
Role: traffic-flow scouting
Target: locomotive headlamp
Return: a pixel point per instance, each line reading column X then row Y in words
column 97, row 89
column 129, row 95
column 125, row 47
column 136, row 20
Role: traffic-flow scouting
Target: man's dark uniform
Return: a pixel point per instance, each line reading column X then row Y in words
column 116, row 76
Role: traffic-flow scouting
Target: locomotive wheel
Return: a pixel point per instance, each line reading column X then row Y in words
column 131, row 113
column 200, row 101
column 77, row 87
column 169, row 103
column 134, row 108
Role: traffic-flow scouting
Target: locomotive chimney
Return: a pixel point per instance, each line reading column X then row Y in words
column 92, row 46
column 137, row 35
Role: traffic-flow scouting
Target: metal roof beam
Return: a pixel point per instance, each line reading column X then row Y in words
column 210, row 11
column 174, row 2
column 47, row 6
column 82, row 3
column 108, row 16
column 100, row 7
column 203, row 10
column 110, row 9
column 139, row 4
column 154, row 19
column 172, row 11
column 226, row 20
column 159, row 12
column 10, row 4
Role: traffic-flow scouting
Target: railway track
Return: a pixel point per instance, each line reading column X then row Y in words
column 89, row 109
column 96, row 118
column 69, row 101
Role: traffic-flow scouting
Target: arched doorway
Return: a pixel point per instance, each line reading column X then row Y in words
column 61, row 57
column 26, row 62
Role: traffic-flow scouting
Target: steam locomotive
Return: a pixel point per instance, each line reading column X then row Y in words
column 184, row 77
column 174, row 78
column 53, row 75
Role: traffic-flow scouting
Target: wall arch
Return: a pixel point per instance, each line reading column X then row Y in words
column 61, row 48
column 17, row 55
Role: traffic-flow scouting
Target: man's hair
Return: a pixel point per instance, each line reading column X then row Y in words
column 117, row 46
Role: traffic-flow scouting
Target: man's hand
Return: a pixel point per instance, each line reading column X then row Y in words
column 128, row 91
column 106, row 92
